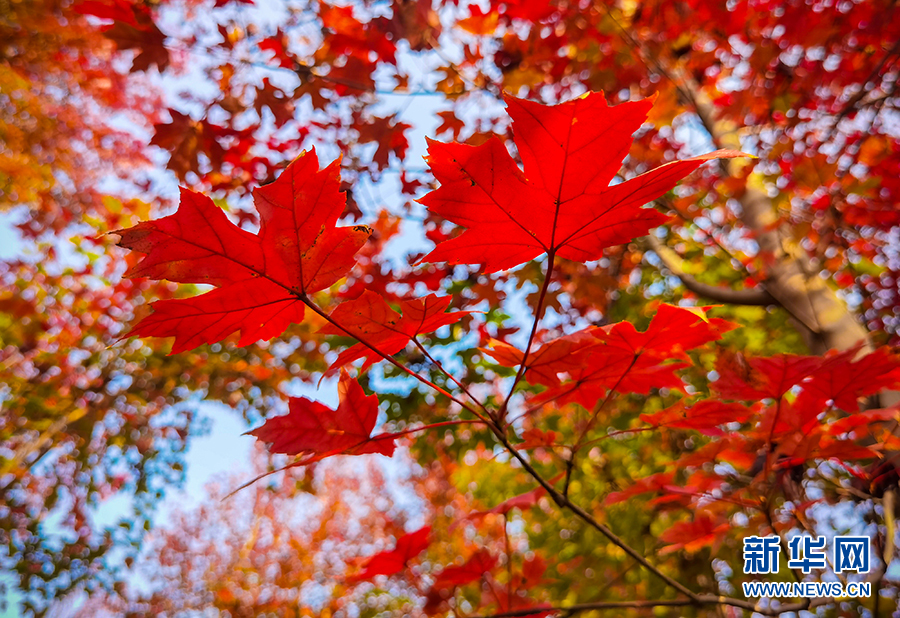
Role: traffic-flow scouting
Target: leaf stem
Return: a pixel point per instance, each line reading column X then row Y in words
column 538, row 314
column 598, row 409
column 450, row 376
column 564, row 501
column 705, row 599
column 306, row 300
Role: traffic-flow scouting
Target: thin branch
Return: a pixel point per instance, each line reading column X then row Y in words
column 509, row 577
column 706, row 599
column 673, row 262
column 314, row 458
column 538, row 313
column 449, row 375
column 406, row 432
column 564, row 501
column 388, row 357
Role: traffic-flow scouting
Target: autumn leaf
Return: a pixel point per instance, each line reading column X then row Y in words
column 132, row 28
column 479, row 23
column 762, row 377
column 459, row 575
column 312, row 428
column 278, row 102
column 262, row 280
column 278, row 45
column 652, row 483
column 392, row 562
column 561, row 355
column 705, row 416
column 147, row 40
column 627, row 360
column 562, row 204
column 522, row 501
column 705, row 530
column 844, row 380
column 451, row 577
column 371, row 319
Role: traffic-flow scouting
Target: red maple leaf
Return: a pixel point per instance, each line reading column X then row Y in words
column 705, row 416
column 451, row 577
column 262, row 280
column 703, row 531
column 845, row 380
column 314, row 429
column 459, row 575
column 628, row 360
column 762, row 377
column 561, row 355
column 132, row 28
column 652, row 483
column 148, row 41
column 392, row 562
column 278, row 102
column 563, row 203
column 278, row 45
column 371, row 319
column 522, row 502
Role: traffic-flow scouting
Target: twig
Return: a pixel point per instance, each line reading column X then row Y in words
column 538, row 313
column 450, row 376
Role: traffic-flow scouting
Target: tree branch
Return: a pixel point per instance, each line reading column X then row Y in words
column 706, row 599
column 308, row 302
column 449, row 375
column 538, row 313
column 673, row 262
column 565, row 502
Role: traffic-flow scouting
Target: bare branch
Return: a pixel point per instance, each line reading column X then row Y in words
column 538, row 313
column 701, row 600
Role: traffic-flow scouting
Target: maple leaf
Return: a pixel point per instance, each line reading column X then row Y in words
column 844, row 380
column 278, row 102
column 148, row 40
column 262, row 280
column 459, row 575
column 479, row 22
column 522, row 502
column 450, row 122
column 628, row 360
column 371, row 319
column 313, row 429
column 852, row 423
column 703, row 531
column 278, row 45
column 451, row 577
column 762, row 377
column 392, row 562
column 652, row 483
column 388, row 134
column 561, row 355
column 562, row 204
column 705, row 416
column 132, row 28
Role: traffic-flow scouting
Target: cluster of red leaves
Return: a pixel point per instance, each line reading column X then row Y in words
column 133, row 27
column 562, row 204
column 792, row 411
